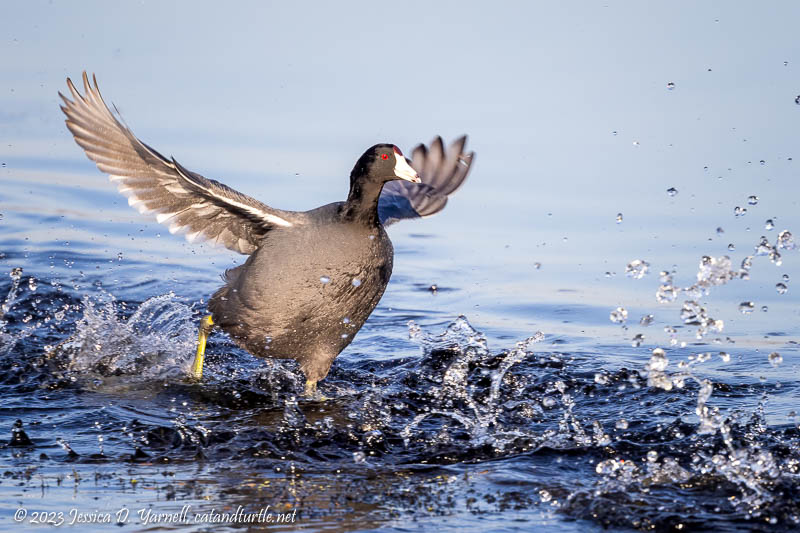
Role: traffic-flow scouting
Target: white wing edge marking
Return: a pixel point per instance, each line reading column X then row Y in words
column 163, row 217
column 273, row 219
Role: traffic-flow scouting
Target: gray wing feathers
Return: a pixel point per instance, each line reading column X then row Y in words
column 442, row 172
column 185, row 201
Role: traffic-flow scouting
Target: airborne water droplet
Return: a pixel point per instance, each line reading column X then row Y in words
column 775, row 359
column 607, row 467
column 781, row 288
column 658, row 361
column 786, row 240
column 670, row 86
column 325, row 279
column 725, row 356
column 672, row 191
column 356, row 282
column 619, row 218
column 739, row 211
column 601, row 379
column 637, row 268
column 769, row 225
column 618, row 315
column 746, row 307
column 666, row 293
column 752, row 199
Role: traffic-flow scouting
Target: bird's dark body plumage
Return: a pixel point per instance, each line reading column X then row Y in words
column 312, row 278
column 306, row 291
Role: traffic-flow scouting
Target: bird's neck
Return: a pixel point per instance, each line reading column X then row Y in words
column 362, row 201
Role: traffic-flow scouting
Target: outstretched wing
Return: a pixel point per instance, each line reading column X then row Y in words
column 180, row 198
column 441, row 172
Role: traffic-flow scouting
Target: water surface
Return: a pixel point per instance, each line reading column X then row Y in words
column 506, row 399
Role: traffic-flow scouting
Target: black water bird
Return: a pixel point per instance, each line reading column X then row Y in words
column 312, row 278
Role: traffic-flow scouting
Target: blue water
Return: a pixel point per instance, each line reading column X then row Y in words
column 507, row 399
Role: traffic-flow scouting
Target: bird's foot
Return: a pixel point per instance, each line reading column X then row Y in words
column 311, row 393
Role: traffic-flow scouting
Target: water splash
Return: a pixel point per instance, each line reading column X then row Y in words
column 456, row 398
column 9, row 340
column 459, row 335
column 155, row 342
column 15, row 275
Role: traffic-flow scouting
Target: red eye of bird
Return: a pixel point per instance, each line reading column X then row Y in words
column 384, row 156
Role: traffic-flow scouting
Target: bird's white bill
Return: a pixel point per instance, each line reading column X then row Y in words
column 404, row 171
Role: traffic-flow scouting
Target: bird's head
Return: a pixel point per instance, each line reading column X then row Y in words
column 382, row 163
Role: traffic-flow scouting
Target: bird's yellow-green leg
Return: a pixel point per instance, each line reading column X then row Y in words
column 311, row 389
column 311, row 392
column 205, row 328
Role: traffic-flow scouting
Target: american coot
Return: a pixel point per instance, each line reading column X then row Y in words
column 312, row 278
